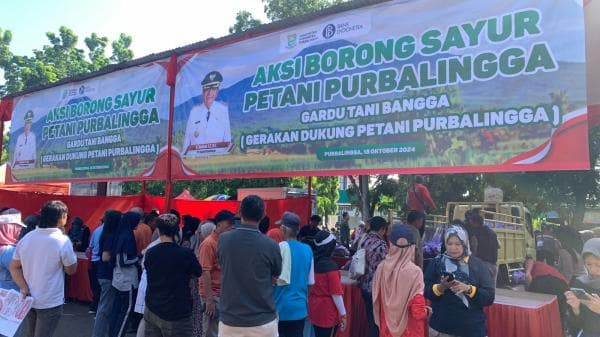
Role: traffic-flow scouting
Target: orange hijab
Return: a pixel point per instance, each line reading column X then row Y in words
column 397, row 281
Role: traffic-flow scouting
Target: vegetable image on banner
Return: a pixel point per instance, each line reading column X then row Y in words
column 398, row 87
column 109, row 127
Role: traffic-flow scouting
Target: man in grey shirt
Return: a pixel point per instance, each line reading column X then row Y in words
column 249, row 262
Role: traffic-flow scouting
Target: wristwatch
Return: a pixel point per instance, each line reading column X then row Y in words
column 470, row 291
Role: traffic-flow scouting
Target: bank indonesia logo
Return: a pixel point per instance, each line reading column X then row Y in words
column 329, row 31
column 292, row 40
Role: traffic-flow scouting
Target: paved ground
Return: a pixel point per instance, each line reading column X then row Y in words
column 76, row 322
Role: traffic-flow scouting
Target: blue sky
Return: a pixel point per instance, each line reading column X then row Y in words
column 154, row 25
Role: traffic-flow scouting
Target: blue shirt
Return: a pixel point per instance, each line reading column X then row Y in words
column 6, row 281
column 292, row 300
column 95, row 243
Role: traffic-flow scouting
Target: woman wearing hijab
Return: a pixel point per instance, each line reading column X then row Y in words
column 125, row 274
column 104, row 273
column 326, row 309
column 459, row 286
column 10, row 229
column 399, row 307
column 586, row 313
column 188, row 232
column 79, row 235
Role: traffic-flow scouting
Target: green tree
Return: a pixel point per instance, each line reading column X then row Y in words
column 121, row 49
column 4, row 148
column 57, row 60
column 283, row 9
column 204, row 188
column 385, row 192
column 243, row 21
column 327, row 195
column 97, row 47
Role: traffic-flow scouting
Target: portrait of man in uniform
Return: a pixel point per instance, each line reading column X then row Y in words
column 24, row 155
column 208, row 131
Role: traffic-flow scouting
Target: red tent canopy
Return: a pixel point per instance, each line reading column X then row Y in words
column 185, row 195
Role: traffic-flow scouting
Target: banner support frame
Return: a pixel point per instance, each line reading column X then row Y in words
column 310, row 202
column 169, row 181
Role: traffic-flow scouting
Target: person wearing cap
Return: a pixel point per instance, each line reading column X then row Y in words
column 169, row 269
column 585, row 313
column 326, row 310
column 38, row 267
column 210, row 283
column 24, row 156
column 291, row 298
column 208, row 130
column 399, row 307
column 10, row 231
column 459, row 286
column 249, row 262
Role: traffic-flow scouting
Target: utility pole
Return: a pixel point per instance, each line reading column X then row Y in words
column 363, row 182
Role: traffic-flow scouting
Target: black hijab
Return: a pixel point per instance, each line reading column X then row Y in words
column 323, row 245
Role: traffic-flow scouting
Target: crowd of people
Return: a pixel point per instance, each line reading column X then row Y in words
column 228, row 276
column 565, row 265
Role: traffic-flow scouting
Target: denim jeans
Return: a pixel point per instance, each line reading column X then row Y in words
column 94, row 285
column 41, row 322
column 119, row 314
column 107, row 298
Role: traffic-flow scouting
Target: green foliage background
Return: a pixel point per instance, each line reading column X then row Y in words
column 567, row 192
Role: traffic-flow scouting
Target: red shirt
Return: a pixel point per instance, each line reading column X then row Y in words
column 143, row 236
column 275, row 234
column 322, row 312
column 416, row 319
column 422, row 197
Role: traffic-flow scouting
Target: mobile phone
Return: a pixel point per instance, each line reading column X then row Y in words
column 580, row 293
column 449, row 276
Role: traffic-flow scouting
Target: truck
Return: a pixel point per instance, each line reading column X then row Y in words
column 511, row 221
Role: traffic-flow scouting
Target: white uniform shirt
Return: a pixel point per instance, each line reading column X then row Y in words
column 200, row 131
column 43, row 254
column 25, row 151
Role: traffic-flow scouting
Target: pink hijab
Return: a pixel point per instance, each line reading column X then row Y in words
column 10, row 229
column 397, row 281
